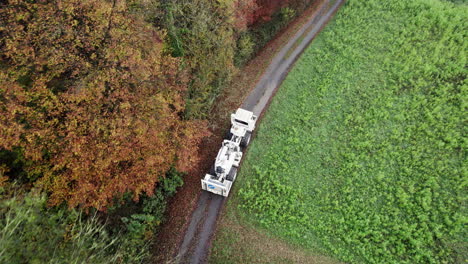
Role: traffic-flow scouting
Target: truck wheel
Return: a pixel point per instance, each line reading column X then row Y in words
column 212, row 170
column 228, row 135
column 246, row 140
column 232, row 174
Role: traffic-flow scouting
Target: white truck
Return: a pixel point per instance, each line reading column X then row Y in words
column 224, row 171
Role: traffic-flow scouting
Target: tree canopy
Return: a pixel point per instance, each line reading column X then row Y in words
column 88, row 94
column 101, row 98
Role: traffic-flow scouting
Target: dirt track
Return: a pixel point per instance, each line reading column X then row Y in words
column 196, row 242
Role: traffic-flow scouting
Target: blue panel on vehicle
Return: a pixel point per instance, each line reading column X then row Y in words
column 211, row 186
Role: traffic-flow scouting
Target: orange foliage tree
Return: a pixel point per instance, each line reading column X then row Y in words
column 88, row 94
column 259, row 11
column 244, row 13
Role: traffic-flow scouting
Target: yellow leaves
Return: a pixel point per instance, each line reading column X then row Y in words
column 125, row 106
column 22, row 16
column 191, row 135
column 3, row 178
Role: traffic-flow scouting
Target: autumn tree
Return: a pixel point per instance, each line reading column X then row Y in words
column 88, row 94
column 266, row 8
column 200, row 32
column 244, row 14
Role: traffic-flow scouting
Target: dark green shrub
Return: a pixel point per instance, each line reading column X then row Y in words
column 139, row 221
column 15, row 162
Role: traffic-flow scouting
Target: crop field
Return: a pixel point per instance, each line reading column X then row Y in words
column 362, row 153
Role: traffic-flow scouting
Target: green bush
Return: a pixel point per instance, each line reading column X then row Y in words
column 286, row 15
column 139, row 221
column 32, row 233
column 245, row 48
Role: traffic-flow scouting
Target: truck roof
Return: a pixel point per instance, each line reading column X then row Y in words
column 242, row 114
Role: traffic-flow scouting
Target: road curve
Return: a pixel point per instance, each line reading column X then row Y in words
column 196, row 243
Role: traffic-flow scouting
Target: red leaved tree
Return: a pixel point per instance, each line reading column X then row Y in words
column 266, row 8
column 244, row 13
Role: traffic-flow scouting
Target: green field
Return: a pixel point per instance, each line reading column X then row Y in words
column 362, row 153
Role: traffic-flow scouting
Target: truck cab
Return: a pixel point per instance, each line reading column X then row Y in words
column 242, row 121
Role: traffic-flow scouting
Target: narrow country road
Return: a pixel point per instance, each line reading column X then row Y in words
column 196, row 243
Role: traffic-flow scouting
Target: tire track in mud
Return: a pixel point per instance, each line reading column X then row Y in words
column 197, row 240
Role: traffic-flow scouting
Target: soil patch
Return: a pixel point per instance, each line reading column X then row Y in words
column 251, row 245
